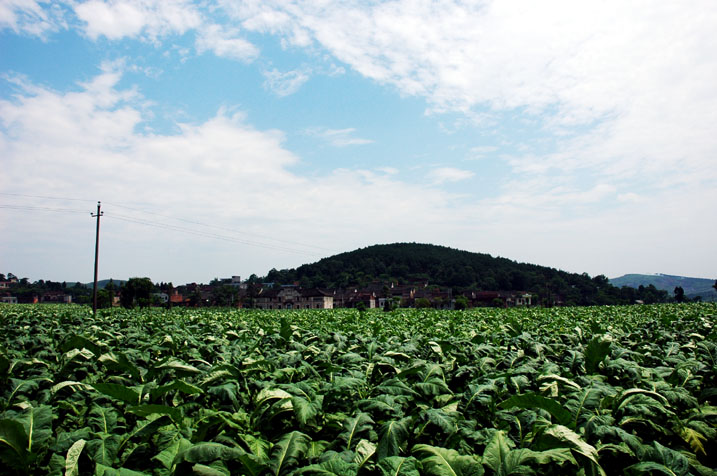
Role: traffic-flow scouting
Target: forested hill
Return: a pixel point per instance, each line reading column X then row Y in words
column 460, row 270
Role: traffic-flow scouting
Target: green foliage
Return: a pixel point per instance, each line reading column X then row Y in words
column 570, row 391
column 136, row 292
column 446, row 462
column 595, row 352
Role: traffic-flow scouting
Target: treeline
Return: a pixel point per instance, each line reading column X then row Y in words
column 136, row 291
column 462, row 271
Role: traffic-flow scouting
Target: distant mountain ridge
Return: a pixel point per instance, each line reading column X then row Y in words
column 693, row 286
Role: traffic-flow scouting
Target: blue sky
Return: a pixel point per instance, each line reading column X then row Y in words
column 229, row 137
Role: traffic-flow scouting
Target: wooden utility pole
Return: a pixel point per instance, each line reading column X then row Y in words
column 97, row 251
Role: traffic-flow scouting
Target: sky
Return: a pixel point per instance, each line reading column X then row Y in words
column 229, row 137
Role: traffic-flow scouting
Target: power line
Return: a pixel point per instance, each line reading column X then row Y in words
column 279, row 245
column 167, row 226
column 231, row 230
column 46, row 197
column 47, row 209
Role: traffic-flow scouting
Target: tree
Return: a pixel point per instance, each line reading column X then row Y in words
column 195, row 298
column 104, row 298
column 679, row 294
column 461, row 303
column 137, row 291
column 224, row 295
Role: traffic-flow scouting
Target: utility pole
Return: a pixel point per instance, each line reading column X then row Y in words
column 97, row 251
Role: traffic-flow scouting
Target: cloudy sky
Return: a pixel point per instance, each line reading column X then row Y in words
column 227, row 137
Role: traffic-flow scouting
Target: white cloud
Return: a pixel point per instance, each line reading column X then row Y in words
column 481, row 152
column 284, row 84
column 338, row 137
column 225, row 43
column 86, row 142
column 225, row 172
column 116, row 19
column 623, row 93
column 388, row 170
column 627, row 88
column 29, row 17
column 449, row 174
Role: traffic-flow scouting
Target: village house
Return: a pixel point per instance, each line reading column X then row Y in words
column 56, row 297
column 350, row 298
column 290, row 297
column 499, row 298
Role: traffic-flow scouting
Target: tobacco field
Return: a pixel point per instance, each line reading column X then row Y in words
column 564, row 391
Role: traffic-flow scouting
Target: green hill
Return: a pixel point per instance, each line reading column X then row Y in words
column 460, row 270
column 693, row 286
column 104, row 282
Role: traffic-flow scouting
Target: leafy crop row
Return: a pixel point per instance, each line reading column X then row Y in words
column 611, row 390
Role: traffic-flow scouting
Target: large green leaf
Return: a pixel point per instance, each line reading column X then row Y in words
column 259, row 447
column 72, row 460
column 395, row 386
column 287, row 451
column 204, row 470
column 446, row 462
column 285, row 330
column 37, row 422
column 496, row 452
column 73, row 341
column 19, row 387
column 694, row 438
column 307, row 408
column 532, row 400
column 332, row 467
column 119, row 361
column 649, row 467
column 446, row 421
column 169, row 455
column 658, row 454
column 558, row 436
column 353, row 426
column 103, row 450
column 399, row 466
column 180, row 367
column 382, row 404
column 597, row 349
column 207, row 452
column 69, row 384
column 627, row 396
column 146, row 428
column 392, row 435
column 179, row 386
column 13, row 444
column 144, row 410
column 120, row 392
column 556, row 455
column 103, row 419
column 500, row 456
column 104, row 470
column 364, row 451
